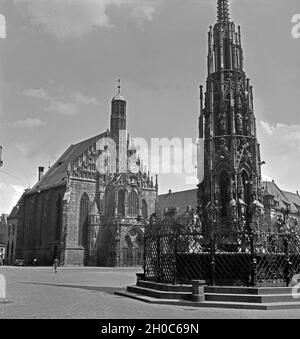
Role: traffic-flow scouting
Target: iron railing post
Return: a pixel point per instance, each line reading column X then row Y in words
column 213, row 259
column 253, row 264
column 144, row 255
column 158, row 258
column 175, row 259
column 287, row 271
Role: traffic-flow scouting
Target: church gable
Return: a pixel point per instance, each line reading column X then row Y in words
column 80, row 159
column 85, row 166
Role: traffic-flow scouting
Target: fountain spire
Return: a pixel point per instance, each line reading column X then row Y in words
column 223, row 11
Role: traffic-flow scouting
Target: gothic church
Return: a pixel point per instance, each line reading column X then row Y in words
column 92, row 206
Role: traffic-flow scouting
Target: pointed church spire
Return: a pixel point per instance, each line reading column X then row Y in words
column 223, row 11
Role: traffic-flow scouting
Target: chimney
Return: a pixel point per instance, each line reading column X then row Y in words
column 170, row 192
column 41, row 172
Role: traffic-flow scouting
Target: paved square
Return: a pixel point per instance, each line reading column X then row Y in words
column 88, row 293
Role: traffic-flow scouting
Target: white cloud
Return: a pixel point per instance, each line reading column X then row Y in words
column 65, row 105
column 36, row 94
column 280, row 148
column 9, row 196
column 286, row 137
column 267, row 128
column 74, row 18
column 82, row 99
column 2, row 27
column 64, row 108
column 144, row 11
column 29, row 123
column 23, row 148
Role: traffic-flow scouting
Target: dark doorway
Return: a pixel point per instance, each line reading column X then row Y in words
column 132, row 249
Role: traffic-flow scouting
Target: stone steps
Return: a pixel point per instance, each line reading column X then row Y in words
column 207, row 304
column 153, row 293
column 266, row 298
column 165, row 287
column 248, row 290
column 256, row 299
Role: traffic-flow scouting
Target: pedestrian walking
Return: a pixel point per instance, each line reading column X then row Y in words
column 55, row 265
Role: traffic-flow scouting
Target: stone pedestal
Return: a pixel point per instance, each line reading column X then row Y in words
column 198, row 290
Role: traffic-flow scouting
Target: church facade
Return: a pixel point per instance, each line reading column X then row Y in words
column 92, row 206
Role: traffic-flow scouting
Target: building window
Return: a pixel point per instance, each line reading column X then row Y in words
column 133, row 204
column 83, row 219
column 121, row 203
column 145, row 210
column 110, row 202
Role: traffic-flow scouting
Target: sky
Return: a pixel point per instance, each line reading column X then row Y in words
column 61, row 59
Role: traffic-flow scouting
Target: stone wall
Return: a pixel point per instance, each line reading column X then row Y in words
column 38, row 235
column 74, row 253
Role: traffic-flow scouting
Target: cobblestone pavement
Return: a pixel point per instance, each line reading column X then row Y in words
column 88, row 293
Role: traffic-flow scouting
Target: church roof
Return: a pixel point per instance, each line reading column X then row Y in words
column 294, row 200
column 271, row 189
column 178, row 199
column 57, row 174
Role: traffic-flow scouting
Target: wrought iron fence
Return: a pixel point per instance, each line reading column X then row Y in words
column 179, row 255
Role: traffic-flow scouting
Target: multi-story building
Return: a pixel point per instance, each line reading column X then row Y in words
column 279, row 205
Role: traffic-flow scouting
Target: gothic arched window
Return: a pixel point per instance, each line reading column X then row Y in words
column 145, row 209
column 133, row 203
column 83, row 219
column 110, row 202
column 224, row 194
column 121, row 203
